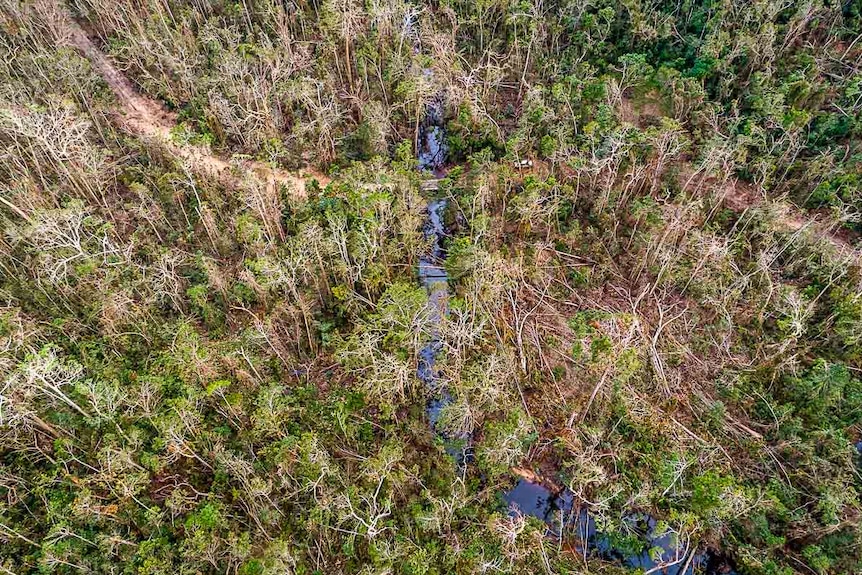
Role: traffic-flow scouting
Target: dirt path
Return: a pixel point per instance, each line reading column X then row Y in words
column 146, row 118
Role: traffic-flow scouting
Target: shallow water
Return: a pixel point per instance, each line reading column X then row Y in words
column 431, row 155
column 538, row 501
column 558, row 511
column 431, row 147
column 432, row 274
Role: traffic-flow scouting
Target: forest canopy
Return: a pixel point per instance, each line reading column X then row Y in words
column 425, row 288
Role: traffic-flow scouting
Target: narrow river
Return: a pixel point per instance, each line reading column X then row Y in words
column 558, row 510
column 563, row 517
column 431, row 155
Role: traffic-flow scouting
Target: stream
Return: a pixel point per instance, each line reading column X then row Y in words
column 431, row 148
column 557, row 510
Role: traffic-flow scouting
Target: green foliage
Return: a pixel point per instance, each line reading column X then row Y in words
column 505, row 443
column 708, row 489
column 652, row 295
column 826, row 397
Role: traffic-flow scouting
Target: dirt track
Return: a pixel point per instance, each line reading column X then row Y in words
column 148, row 119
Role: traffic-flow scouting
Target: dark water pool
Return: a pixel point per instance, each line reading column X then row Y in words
column 559, row 512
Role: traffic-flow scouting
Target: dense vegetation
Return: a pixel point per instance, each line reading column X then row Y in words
column 661, row 310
